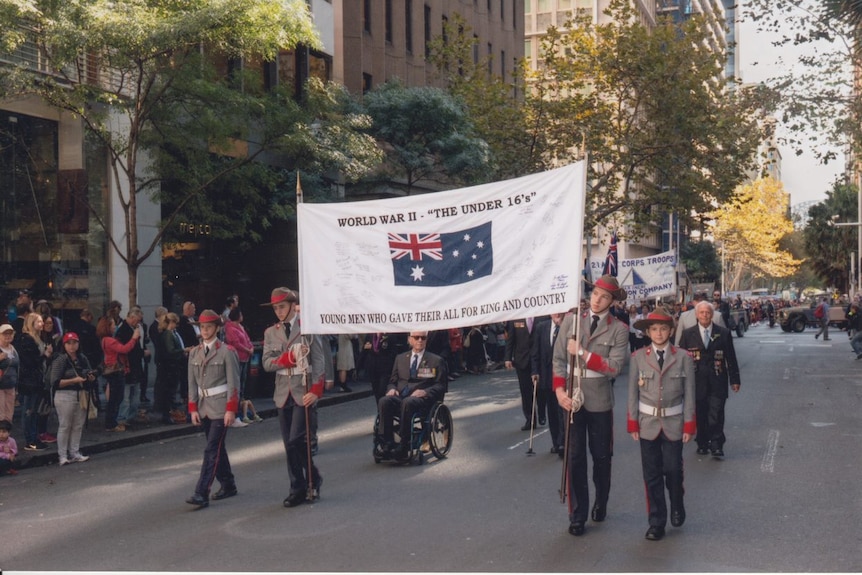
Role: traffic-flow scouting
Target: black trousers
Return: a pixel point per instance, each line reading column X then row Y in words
column 661, row 460
column 291, row 420
column 556, row 419
column 597, row 428
column 391, row 405
column 709, row 414
column 216, row 464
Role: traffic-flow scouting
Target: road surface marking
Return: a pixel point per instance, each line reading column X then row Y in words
column 767, row 465
column 520, row 443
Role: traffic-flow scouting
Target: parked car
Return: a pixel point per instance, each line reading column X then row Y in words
column 798, row 317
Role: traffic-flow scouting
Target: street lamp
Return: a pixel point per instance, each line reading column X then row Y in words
column 856, row 280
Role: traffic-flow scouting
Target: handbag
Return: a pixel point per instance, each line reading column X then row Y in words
column 86, row 402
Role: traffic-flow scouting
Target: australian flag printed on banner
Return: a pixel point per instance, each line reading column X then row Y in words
column 436, row 260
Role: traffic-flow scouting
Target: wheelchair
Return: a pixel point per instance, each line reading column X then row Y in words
column 430, row 432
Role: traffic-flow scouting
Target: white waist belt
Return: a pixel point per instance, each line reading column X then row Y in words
column 660, row 411
column 287, row 371
column 210, row 391
column 587, row 373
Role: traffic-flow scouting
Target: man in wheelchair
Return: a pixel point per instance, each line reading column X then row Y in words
column 419, row 379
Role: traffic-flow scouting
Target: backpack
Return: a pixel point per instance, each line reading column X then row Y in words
column 818, row 311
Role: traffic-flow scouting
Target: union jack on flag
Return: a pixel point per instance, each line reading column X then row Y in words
column 416, row 246
column 610, row 268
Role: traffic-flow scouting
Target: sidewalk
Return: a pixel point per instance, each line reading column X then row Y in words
column 96, row 440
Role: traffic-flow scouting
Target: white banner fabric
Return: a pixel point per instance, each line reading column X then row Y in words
column 458, row 258
column 649, row 277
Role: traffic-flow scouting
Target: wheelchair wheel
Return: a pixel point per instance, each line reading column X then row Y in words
column 441, row 431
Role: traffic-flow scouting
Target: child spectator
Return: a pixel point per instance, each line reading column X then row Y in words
column 8, row 449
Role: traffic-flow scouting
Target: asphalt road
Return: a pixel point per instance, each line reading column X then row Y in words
column 787, row 497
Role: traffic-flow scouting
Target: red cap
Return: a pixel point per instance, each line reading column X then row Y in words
column 70, row 336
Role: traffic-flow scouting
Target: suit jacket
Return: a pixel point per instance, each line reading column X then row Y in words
column 609, row 346
column 519, row 343
column 187, row 332
column 432, row 376
column 542, row 353
column 219, row 367
column 290, row 381
column 715, row 365
column 669, row 386
column 688, row 319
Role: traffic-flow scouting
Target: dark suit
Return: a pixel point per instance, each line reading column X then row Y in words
column 190, row 339
column 542, row 356
column 378, row 360
column 715, row 368
column 432, row 376
column 519, row 344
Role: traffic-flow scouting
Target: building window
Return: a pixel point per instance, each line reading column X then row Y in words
column 503, row 64
column 544, row 6
column 445, row 25
column 490, row 58
column 528, row 6
column 389, row 21
column 366, row 15
column 408, row 25
column 475, row 49
column 502, row 9
column 528, row 49
column 366, row 83
column 427, row 30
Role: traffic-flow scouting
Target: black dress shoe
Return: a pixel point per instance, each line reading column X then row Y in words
column 541, row 421
column 576, row 528
column 718, row 452
column 315, row 491
column 225, row 492
column 294, row 499
column 555, row 449
column 526, row 427
column 198, row 500
column 654, row 533
column 401, row 454
column 599, row 513
column 677, row 517
column 702, row 450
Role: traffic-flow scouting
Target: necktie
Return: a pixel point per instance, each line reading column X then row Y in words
column 706, row 337
column 414, row 367
column 206, row 350
column 529, row 325
column 287, row 330
column 594, row 324
column 660, row 353
column 554, row 335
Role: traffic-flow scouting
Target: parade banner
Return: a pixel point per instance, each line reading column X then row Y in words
column 650, row 277
column 464, row 257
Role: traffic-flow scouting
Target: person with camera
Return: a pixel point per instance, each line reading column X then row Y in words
column 71, row 376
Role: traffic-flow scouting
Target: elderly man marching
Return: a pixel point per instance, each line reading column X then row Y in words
column 299, row 363
column 600, row 351
column 213, row 403
column 661, row 416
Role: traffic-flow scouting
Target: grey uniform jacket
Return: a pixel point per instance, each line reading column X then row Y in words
column 289, row 381
column 661, row 388
column 209, row 372
column 609, row 345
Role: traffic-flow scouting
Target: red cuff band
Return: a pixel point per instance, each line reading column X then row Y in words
column 286, row 360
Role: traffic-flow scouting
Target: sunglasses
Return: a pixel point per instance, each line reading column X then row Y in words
column 419, row 337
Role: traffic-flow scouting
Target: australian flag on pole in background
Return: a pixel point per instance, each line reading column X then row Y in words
column 610, row 268
column 435, row 260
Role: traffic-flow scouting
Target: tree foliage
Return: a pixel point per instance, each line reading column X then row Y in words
column 139, row 74
column 702, row 262
column 828, row 246
column 816, row 98
column 750, row 227
column 427, row 133
column 662, row 130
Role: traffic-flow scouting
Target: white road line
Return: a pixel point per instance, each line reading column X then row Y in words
column 526, row 441
column 767, row 465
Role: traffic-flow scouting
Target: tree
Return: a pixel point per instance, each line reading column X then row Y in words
column 817, row 99
column 427, row 134
column 133, row 72
column 749, row 228
column 702, row 262
column 828, row 246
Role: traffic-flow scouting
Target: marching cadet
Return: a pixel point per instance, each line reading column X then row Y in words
column 213, row 403
column 299, row 363
column 661, row 416
column 601, row 353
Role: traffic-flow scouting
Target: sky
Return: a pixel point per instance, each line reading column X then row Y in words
column 803, row 176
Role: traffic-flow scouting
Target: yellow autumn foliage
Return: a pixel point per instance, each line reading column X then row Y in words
column 750, row 227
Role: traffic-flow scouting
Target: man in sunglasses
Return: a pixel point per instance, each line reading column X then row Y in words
column 419, row 379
